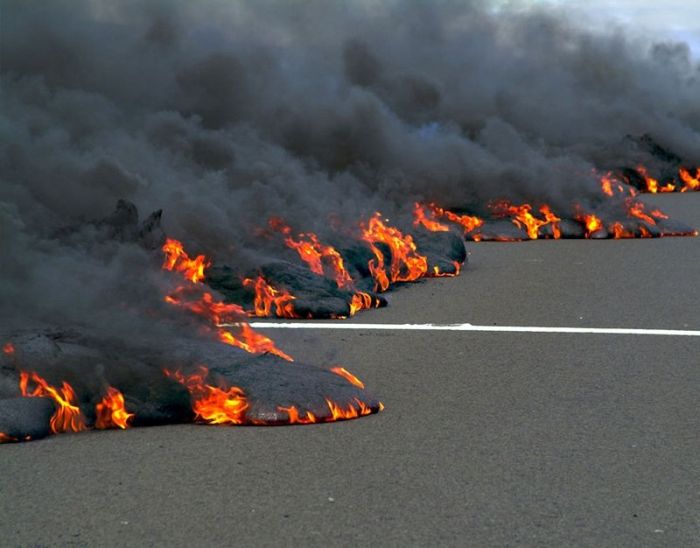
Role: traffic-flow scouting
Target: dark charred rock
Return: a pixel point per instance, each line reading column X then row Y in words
column 270, row 384
column 670, row 227
column 25, row 418
column 497, row 230
column 600, row 234
column 442, row 249
column 647, row 143
column 571, row 229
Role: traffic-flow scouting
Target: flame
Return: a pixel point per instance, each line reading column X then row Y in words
column 420, row 219
column 8, row 348
column 468, row 222
column 4, row 438
column 111, row 411
column 222, row 317
column 618, row 231
column 522, row 217
column 315, row 254
column 350, row 412
column 652, row 185
column 295, row 418
column 352, row 379
column 212, row 404
column 177, row 259
column 591, row 222
column 690, row 182
column 363, row 301
column 215, row 312
column 437, row 273
column 67, row 417
column 267, row 297
column 636, row 209
column 406, row 264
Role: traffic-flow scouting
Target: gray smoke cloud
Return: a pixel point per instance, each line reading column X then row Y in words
column 225, row 113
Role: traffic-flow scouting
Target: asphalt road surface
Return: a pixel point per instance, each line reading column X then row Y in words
column 488, row 439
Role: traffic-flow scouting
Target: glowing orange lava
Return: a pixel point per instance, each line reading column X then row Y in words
column 67, row 417
column 468, row 222
column 352, row 379
column 295, row 418
column 8, row 348
column 350, row 412
column 111, row 411
column 652, row 185
column 269, row 301
column 177, row 259
column 690, row 182
column 407, row 265
column 420, row 218
column 212, row 404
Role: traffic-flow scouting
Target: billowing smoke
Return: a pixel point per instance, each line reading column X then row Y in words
column 223, row 114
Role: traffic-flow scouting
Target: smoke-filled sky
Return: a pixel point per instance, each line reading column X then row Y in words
column 224, row 113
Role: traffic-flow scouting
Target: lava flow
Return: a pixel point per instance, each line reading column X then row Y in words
column 111, row 411
column 212, row 404
column 203, row 304
column 407, row 265
column 67, row 417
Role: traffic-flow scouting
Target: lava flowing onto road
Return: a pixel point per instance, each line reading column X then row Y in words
column 686, row 179
column 406, row 264
column 111, row 411
column 270, row 301
column 203, row 304
column 68, row 417
column 212, row 404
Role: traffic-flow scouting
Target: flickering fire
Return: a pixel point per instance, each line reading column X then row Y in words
column 203, row 304
column 316, row 255
column 652, row 184
column 420, row 218
column 68, row 417
column 111, row 411
column 8, row 348
column 363, row 301
column 468, row 222
column 356, row 408
column 270, row 301
column 218, row 313
column 294, row 417
column 352, row 379
column 212, row 404
column 690, row 182
column 437, row 273
column 177, row 259
column 407, row 265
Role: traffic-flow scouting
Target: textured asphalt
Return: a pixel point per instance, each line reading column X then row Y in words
column 488, row 439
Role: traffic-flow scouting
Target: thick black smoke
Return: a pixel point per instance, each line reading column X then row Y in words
column 225, row 113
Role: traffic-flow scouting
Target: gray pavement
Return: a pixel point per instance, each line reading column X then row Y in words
column 488, row 439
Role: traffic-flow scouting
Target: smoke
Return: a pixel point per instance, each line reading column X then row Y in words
column 225, row 113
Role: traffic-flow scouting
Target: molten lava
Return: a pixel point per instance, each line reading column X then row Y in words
column 177, row 259
column 269, row 301
column 293, row 416
column 468, row 222
column 352, row 411
column 420, row 218
column 317, row 256
column 111, row 411
column 352, row 379
column 690, row 182
column 407, row 265
column 67, row 417
column 212, row 404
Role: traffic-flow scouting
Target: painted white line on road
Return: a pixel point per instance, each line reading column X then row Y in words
column 470, row 327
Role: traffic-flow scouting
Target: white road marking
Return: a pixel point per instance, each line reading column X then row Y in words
column 470, row 327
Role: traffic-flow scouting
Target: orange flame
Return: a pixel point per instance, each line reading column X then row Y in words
column 591, row 222
column 67, row 417
column 219, row 313
column 363, row 301
column 690, row 182
column 267, row 297
column 8, row 348
column 522, row 217
column 315, row 254
column 177, row 259
column 215, row 312
column 4, row 438
column 636, row 209
column 468, row 222
column 406, row 264
column 350, row 412
column 111, row 411
column 295, row 418
column 421, row 219
column 352, row 379
column 212, row 404
column 652, row 185
column 618, row 231
column 437, row 273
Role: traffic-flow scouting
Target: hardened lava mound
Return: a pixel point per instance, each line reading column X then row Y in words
column 71, row 383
